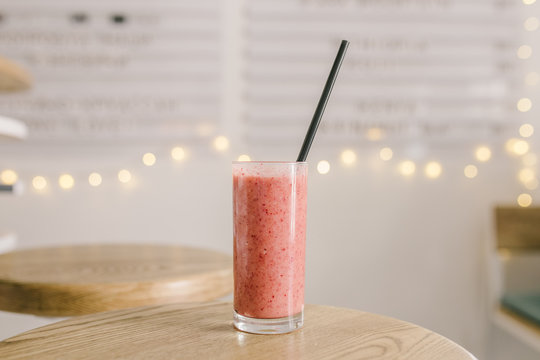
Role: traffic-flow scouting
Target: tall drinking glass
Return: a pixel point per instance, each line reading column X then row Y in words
column 269, row 214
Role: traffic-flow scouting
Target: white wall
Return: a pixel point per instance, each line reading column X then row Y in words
column 413, row 248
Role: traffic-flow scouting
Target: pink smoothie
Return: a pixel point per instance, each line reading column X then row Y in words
column 269, row 240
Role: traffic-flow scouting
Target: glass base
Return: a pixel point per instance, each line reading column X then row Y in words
column 269, row 326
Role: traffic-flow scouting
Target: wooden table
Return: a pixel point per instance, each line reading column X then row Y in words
column 205, row 331
column 73, row 280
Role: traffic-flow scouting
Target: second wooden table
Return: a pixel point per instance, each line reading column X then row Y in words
column 73, row 280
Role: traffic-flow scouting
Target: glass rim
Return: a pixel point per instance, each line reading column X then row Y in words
column 270, row 162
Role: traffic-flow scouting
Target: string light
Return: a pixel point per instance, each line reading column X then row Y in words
column 66, row 181
column 524, row 52
column 509, row 145
column 8, row 177
column 407, row 168
column 524, row 200
column 433, row 169
column 149, row 159
column 524, row 104
column 531, row 24
column 124, row 176
column 386, row 154
column 520, row 147
column 531, row 185
column 323, row 167
column 375, row 134
column 470, row 171
column 94, row 179
column 532, row 78
column 178, row 153
column 516, row 146
column 482, row 153
column 529, row 159
column 348, row 157
column 526, row 175
column 39, row 183
column 221, row 143
column 526, row 130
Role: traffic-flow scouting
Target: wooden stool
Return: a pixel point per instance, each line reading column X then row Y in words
column 74, row 280
column 12, row 77
column 205, row 331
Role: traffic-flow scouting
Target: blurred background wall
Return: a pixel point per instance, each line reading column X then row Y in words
column 423, row 136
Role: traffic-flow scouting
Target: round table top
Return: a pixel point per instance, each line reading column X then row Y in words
column 74, row 280
column 205, row 331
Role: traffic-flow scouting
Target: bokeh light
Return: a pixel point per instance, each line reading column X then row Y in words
column 524, row 104
column 348, row 157
column 470, row 171
column 8, row 177
column 526, row 175
column 221, row 143
column 323, row 167
column 407, row 168
column 433, row 169
column 526, row 130
column 94, row 179
column 178, row 153
column 66, row 181
column 524, row 200
column 386, row 154
column 531, row 185
column 529, row 159
column 149, row 159
column 531, row 23
column 520, row 147
column 482, row 153
column 524, row 52
column 124, row 176
column 39, row 183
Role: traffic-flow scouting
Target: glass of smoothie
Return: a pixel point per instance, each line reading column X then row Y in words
column 269, row 214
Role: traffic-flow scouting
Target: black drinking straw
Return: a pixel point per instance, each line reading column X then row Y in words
column 322, row 102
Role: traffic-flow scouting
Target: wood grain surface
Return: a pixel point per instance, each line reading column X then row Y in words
column 12, row 77
column 205, row 331
column 73, row 280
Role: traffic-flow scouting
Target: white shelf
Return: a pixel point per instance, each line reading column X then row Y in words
column 12, row 129
column 519, row 328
